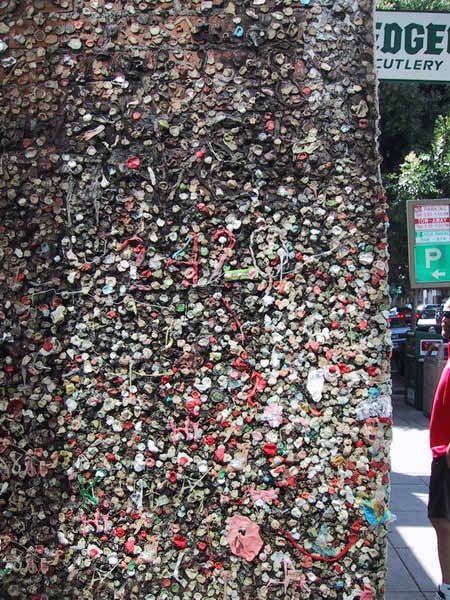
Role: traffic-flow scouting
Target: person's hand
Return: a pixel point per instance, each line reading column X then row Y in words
column 447, row 456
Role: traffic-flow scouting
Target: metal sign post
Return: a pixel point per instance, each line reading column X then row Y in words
column 429, row 243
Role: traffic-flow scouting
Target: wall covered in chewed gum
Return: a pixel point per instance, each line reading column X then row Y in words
column 195, row 382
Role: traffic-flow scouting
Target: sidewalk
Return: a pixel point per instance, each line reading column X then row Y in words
column 413, row 569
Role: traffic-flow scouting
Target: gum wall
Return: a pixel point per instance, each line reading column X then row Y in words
column 195, row 391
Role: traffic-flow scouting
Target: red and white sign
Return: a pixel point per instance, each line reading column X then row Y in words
column 432, row 224
column 429, row 347
column 431, row 217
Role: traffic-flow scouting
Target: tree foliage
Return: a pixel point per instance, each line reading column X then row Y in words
column 422, row 175
column 408, row 111
column 427, row 175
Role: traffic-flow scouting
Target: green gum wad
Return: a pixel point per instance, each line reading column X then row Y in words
column 237, row 274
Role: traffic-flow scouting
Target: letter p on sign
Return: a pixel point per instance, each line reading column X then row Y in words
column 431, row 254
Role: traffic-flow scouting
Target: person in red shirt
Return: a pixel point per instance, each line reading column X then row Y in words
column 439, row 495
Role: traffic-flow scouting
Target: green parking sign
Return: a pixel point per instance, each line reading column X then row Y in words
column 432, row 263
column 429, row 243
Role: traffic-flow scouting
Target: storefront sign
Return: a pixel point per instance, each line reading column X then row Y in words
column 413, row 45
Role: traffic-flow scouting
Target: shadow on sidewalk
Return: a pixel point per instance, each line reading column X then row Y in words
column 412, row 555
column 413, row 567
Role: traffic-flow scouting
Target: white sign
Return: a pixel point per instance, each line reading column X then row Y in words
column 432, row 224
column 413, row 45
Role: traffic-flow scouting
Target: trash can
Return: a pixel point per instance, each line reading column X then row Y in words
column 418, row 345
column 432, row 369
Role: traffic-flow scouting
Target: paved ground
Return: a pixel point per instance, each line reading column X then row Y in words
column 413, row 570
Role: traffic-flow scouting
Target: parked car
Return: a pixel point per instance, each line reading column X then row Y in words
column 427, row 320
column 400, row 320
column 439, row 314
column 421, row 307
